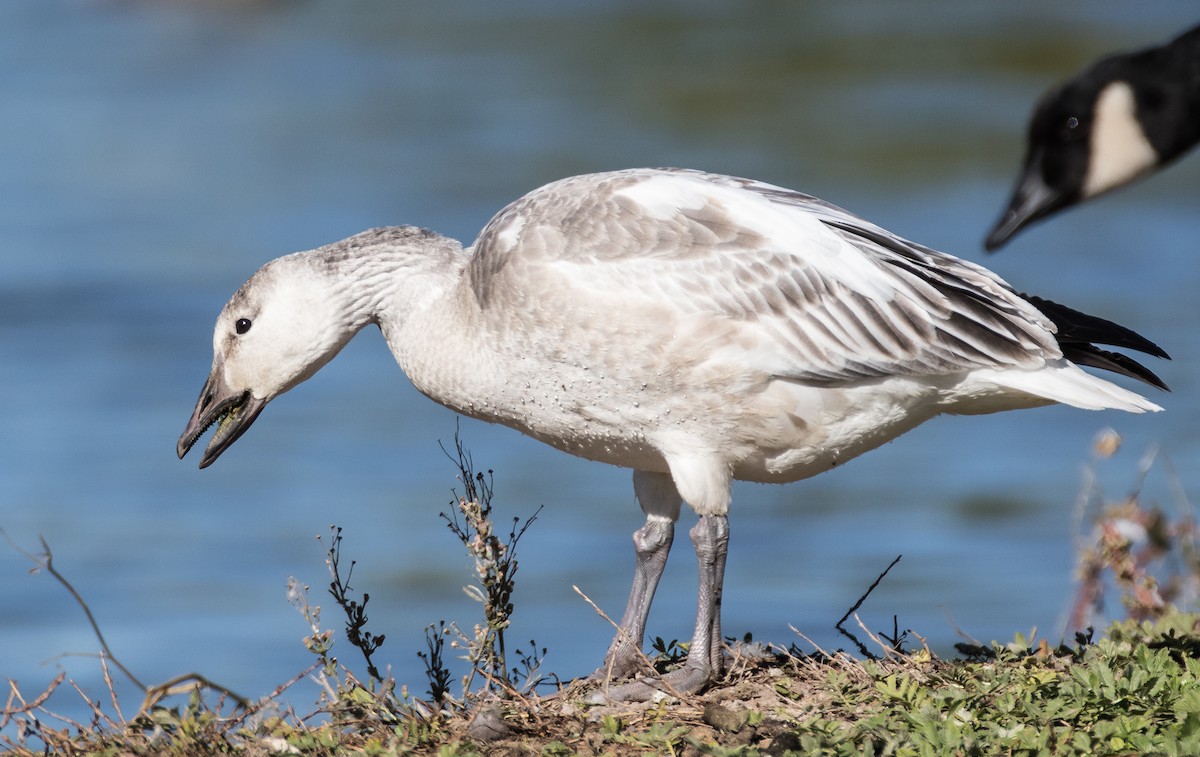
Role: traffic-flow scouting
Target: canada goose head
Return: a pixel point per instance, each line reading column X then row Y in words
column 1083, row 141
column 1117, row 120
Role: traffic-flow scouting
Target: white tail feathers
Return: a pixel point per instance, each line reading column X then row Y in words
column 1063, row 381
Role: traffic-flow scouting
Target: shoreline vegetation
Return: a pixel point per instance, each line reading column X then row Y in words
column 1132, row 687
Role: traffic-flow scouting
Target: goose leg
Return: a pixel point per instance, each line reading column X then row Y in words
column 711, row 538
column 704, row 664
column 660, row 501
column 652, row 543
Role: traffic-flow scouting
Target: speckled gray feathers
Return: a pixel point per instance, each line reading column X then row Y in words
column 942, row 315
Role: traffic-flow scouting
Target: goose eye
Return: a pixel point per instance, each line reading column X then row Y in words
column 242, row 325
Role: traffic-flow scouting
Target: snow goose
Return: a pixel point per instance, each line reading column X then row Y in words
column 696, row 328
column 1120, row 118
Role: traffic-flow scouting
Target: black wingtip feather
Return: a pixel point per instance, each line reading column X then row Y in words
column 1075, row 327
column 1116, row 362
column 1079, row 333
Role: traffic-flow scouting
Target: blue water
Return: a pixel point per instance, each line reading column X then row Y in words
column 153, row 155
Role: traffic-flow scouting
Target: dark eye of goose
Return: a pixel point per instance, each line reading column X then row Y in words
column 1070, row 128
column 242, row 325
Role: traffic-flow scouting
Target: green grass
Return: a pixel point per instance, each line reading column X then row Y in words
column 1135, row 690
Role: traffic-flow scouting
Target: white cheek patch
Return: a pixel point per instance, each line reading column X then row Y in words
column 1120, row 151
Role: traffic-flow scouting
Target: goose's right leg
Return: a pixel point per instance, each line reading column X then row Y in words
column 660, row 500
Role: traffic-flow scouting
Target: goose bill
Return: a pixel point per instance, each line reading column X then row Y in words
column 231, row 411
column 1032, row 199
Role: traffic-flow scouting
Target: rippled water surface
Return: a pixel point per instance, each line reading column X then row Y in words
column 155, row 154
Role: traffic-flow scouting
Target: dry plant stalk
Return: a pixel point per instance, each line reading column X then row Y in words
column 495, row 568
column 1149, row 556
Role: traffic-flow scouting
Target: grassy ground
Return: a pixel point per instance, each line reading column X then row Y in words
column 1132, row 689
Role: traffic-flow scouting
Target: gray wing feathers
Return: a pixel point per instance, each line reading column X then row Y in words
column 921, row 313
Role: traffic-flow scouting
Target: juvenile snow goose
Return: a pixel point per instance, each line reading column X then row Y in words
column 1120, row 118
column 696, row 328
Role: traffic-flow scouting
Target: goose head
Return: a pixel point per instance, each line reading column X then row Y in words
column 277, row 330
column 1058, row 153
column 1117, row 120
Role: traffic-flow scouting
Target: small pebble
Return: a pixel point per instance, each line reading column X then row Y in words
column 488, row 725
column 724, row 719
